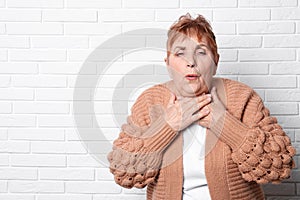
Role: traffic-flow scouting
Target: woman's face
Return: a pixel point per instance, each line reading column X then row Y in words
column 191, row 66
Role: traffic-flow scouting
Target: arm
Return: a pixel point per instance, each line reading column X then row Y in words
column 260, row 148
column 137, row 152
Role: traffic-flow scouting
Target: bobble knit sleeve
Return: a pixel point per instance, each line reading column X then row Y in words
column 137, row 153
column 260, row 148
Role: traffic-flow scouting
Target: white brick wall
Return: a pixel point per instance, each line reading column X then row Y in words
column 44, row 43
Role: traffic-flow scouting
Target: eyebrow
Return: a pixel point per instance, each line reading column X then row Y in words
column 199, row 46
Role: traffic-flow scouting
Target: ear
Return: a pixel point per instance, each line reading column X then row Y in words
column 166, row 60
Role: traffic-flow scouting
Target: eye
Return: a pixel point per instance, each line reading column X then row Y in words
column 201, row 52
column 179, row 53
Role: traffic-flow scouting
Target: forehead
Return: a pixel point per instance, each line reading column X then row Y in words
column 189, row 41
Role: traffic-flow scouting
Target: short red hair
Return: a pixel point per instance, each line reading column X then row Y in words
column 190, row 27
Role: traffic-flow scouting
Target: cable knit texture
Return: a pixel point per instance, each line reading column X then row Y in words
column 252, row 148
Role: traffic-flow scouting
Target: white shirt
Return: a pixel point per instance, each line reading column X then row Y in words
column 194, row 183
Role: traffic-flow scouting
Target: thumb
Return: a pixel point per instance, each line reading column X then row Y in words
column 172, row 98
column 214, row 94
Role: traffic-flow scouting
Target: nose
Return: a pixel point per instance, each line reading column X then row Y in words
column 190, row 65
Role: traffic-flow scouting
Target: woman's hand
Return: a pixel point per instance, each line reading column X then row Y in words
column 182, row 112
column 217, row 111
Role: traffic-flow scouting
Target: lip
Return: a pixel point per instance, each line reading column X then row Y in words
column 192, row 76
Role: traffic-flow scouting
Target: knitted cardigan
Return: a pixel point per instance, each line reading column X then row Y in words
column 251, row 148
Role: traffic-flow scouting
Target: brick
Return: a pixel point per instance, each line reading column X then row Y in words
column 171, row 15
column 17, row 197
column 282, row 41
column 150, row 4
column 39, row 81
column 16, row 94
column 241, row 14
column 66, row 174
column 279, row 189
column 289, row 121
column 18, row 173
column 118, row 197
column 228, row 55
column 298, row 27
column 3, row 134
column 109, row 81
column 93, row 4
column 145, row 55
column 67, row 68
column 109, row 94
column 3, row 186
column 11, row 120
column 2, row 3
column 5, row 82
column 270, row 81
column 119, row 107
column 208, row 3
column 267, row 3
column 242, row 68
column 64, row 121
column 265, row 27
column 37, row 160
column 239, row 41
column 93, row 187
column 3, row 55
column 36, row 186
column 36, row 134
column 64, row 196
column 285, row 68
column 5, row 107
column 124, row 15
column 14, row 42
column 57, row 147
column 133, row 81
column 4, row 160
column 123, row 68
column 133, row 28
column 60, row 42
column 92, row 134
column 123, row 41
column 35, row 4
column 2, row 28
column 18, row 15
column 104, row 174
column 283, row 108
column 82, row 161
column 290, row 95
column 297, row 138
column 224, row 28
column 92, row 29
column 64, row 94
column 267, row 55
column 37, row 55
column 32, row 28
column 99, row 55
column 286, row 13
column 14, row 147
column 41, row 108
column 69, row 15
column 18, row 68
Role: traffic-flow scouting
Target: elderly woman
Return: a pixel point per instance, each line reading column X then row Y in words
column 198, row 136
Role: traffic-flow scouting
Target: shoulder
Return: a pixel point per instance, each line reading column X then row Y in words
column 156, row 94
column 239, row 96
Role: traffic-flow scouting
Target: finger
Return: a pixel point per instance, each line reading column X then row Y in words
column 202, row 113
column 172, row 98
column 199, row 106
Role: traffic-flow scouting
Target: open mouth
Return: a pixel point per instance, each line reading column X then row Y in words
column 191, row 76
